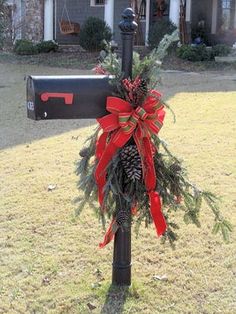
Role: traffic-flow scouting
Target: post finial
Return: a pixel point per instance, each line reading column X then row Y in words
column 128, row 25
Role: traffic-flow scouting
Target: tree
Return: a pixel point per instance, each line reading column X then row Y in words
column 4, row 22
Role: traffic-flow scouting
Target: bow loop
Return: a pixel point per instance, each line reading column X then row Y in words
column 141, row 113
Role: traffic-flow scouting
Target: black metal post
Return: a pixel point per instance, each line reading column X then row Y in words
column 121, row 274
column 128, row 27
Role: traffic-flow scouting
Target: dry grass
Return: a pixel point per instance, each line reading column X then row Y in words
column 86, row 60
column 48, row 258
column 73, row 60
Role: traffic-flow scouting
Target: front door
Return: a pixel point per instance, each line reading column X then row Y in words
column 158, row 9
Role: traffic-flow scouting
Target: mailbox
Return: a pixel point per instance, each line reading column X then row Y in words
column 67, row 97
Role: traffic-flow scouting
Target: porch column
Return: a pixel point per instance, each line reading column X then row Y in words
column 147, row 21
column 109, row 13
column 48, row 19
column 214, row 16
column 174, row 11
column 188, row 10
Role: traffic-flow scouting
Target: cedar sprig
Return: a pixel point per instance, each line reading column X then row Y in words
column 147, row 68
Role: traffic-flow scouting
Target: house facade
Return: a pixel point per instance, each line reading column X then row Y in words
column 40, row 19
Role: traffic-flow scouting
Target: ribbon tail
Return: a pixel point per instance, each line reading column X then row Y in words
column 109, row 235
column 150, row 183
column 100, row 148
column 150, row 175
column 101, row 144
column 117, row 140
column 157, row 215
column 100, row 172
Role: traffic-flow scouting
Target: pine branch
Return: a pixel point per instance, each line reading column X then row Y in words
column 161, row 51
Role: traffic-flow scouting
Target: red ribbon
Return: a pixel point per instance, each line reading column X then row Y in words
column 118, row 127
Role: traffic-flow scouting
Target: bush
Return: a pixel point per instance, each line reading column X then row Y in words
column 158, row 31
column 93, row 33
column 194, row 53
column 25, row 47
column 221, row 50
column 47, row 46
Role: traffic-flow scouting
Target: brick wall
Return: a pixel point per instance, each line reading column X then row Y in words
column 28, row 19
column 33, row 20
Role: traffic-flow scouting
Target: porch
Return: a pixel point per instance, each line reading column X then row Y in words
column 215, row 20
column 147, row 13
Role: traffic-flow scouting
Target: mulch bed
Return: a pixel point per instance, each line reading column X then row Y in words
column 87, row 60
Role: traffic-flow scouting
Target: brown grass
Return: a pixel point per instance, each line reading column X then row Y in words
column 48, row 258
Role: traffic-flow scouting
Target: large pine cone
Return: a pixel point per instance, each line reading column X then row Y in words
column 131, row 162
column 143, row 90
column 122, row 217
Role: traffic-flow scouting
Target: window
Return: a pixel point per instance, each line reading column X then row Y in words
column 226, row 4
column 97, row 3
column 227, row 7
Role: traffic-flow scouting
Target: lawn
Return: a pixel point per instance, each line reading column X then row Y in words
column 50, row 261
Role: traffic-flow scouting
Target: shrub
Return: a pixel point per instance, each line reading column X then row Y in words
column 221, row 50
column 47, row 46
column 25, row 47
column 158, row 31
column 93, row 33
column 194, row 53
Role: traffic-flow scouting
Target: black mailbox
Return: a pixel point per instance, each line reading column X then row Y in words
column 67, row 97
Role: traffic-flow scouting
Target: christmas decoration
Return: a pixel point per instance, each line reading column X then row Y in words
column 127, row 167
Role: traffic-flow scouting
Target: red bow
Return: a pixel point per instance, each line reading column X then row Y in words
column 125, row 122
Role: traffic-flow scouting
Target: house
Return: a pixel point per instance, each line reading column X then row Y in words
column 40, row 19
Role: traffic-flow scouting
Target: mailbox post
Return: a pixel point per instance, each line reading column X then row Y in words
column 84, row 97
column 121, row 274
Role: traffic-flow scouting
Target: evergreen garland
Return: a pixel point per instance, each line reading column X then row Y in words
column 124, row 183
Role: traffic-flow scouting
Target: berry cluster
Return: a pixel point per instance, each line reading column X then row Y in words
column 100, row 70
column 135, row 90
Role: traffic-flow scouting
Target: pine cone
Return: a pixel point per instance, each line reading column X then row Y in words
column 143, row 87
column 84, row 152
column 122, row 217
column 131, row 162
column 140, row 92
column 175, row 167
